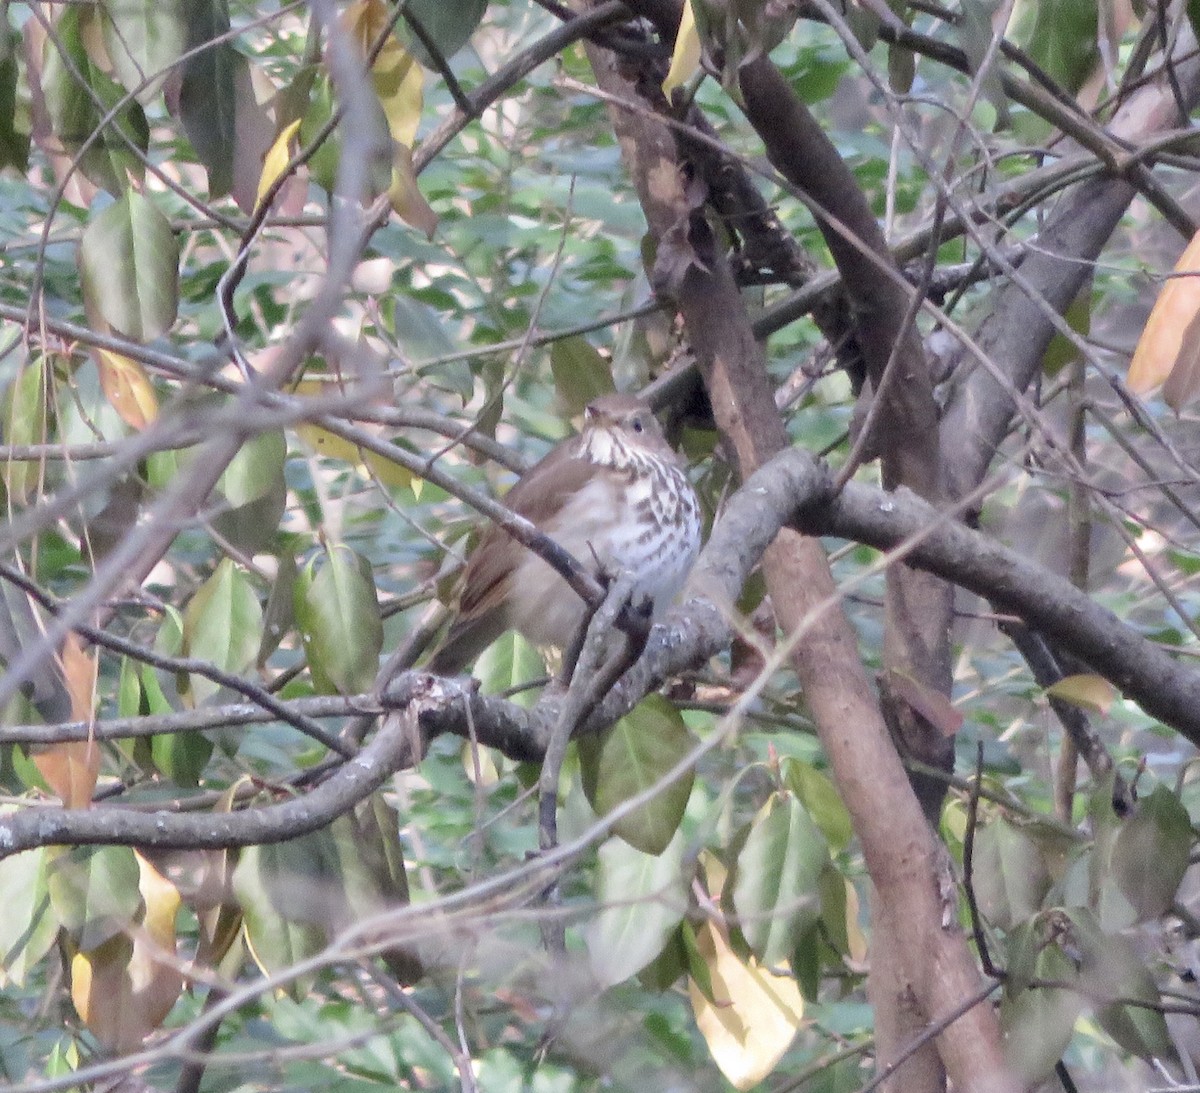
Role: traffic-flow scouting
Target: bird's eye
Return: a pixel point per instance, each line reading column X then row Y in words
column 638, row 425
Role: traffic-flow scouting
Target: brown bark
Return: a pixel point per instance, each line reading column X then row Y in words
column 935, row 964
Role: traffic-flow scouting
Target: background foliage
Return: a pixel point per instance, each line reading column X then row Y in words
column 177, row 274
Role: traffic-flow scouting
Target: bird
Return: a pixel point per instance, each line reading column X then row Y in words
column 617, row 499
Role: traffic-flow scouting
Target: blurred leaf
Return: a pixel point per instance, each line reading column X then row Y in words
column 25, row 420
column 79, row 95
column 643, row 898
column 631, row 757
column 94, row 891
column 1060, row 36
column 222, row 624
column 27, row 927
column 1088, row 692
column 280, row 614
column 405, row 196
column 1038, row 1022
column 1111, row 969
column 1151, row 853
column 820, row 796
column 754, row 1016
column 926, row 701
column 778, row 872
column 581, row 374
column 14, row 136
column 448, row 25
column 1169, row 349
column 71, row 768
column 208, row 94
column 1010, row 876
column 125, row 987
column 144, row 38
column 129, row 264
column 507, row 665
column 276, row 160
column 254, row 486
column 337, row 611
column 685, row 57
column 127, row 388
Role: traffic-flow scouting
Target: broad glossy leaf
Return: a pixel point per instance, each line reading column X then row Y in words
column 79, row 95
column 1151, row 853
column 643, row 898
column 253, row 484
column 129, row 263
column 630, row 758
column 124, row 988
column 337, row 610
column 127, row 387
column 222, row 624
column 754, row 1016
column 820, row 796
column 776, row 889
column 448, row 25
column 280, row 614
column 208, row 94
column 144, row 38
column 1010, row 875
column 581, row 374
column 93, row 891
column 1088, row 692
column 507, row 665
column 28, row 927
column 1061, row 36
column 1169, row 349
column 26, row 418
column 290, row 894
column 1111, row 969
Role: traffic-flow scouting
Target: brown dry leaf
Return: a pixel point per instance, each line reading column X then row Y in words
column 931, row 704
column 71, row 769
column 1168, row 352
column 755, row 1016
column 124, row 988
column 127, row 388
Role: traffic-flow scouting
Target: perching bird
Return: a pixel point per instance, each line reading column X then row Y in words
column 616, row 498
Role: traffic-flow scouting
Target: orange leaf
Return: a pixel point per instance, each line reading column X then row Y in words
column 127, row 388
column 1169, row 348
column 71, row 769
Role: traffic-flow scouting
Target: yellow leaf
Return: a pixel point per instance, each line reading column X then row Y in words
column 1088, row 692
column 685, row 60
column 127, row 388
column 407, row 200
column 1169, row 350
column 276, row 160
column 124, row 988
column 755, row 1015
column 855, row 938
column 397, row 77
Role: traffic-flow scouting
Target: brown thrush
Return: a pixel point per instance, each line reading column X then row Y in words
column 616, row 498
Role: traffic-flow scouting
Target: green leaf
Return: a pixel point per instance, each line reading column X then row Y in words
column 1111, row 969
column 337, row 611
column 14, row 138
column 27, row 927
column 280, row 614
column 507, row 665
column 820, row 796
column 581, row 374
column 222, row 624
column 286, row 892
column 631, row 757
column 255, row 489
column 421, row 333
column 1038, row 1022
column 25, row 418
column 1010, row 874
column 94, row 891
column 78, row 104
column 1060, row 36
column 144, row 38
column 208, row 93
column 1151, row 852
column 448, row 25
column 643, row 898
column 129, row 264
column 776, row 888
